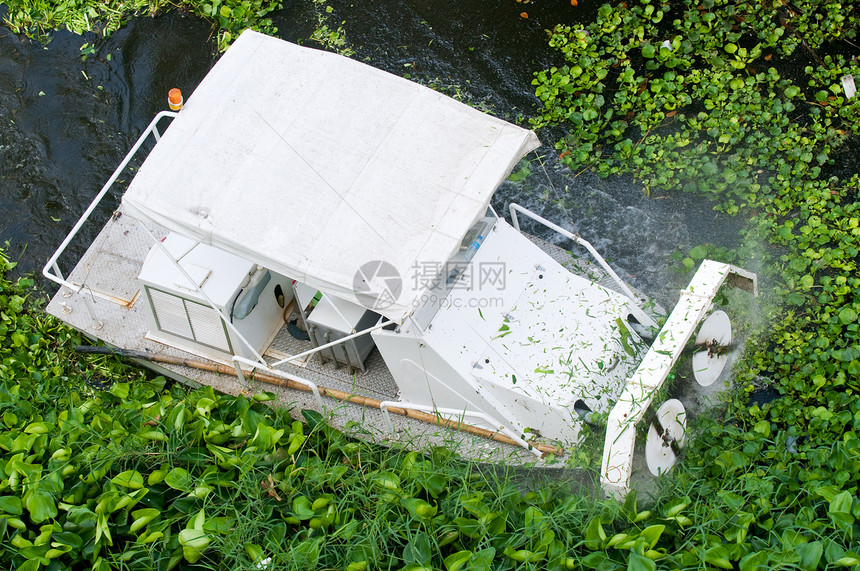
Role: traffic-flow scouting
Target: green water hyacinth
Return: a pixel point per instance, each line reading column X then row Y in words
column 688, row 95
column 38, row 18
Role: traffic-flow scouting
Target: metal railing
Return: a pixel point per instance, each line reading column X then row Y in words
column 52, row 269
column 344, row 339
column 643, row 317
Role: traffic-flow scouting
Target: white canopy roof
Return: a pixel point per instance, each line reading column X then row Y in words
column 312, row 165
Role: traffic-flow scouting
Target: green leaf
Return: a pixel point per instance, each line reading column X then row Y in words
column 521, row 174
column 313, row 418
column 596, row 560
column 524, row 555
column 11, row 505
column 418, row 550
column 205, row 405
column 305, row 554
column 718, row 556
column 266, row 437
column 756, row 561
column 254, row 551
column 698, row 252
column 850, row 559
column 810, row 554
column 41, row 505
column 197, row 521
column 120, row 390
column 763, row 428
column 142, row 518
column 386, row 481
column 153, row 434
column 483, row 559
column 533, row 520
column 469, row 527
column 652, row 534
column 37, row 428
column 456, row 560
column 419, row 508
column 157, row 476
column 840, row 508
column 194, row 542
column 594, row 534
column 302, row 508
column 219, row 524
column 129, row 479
column 847, row 315
column 179, row 479
column 264, row 396
column 833, row 551
column 638, row 562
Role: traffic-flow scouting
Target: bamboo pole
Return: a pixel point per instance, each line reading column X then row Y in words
column 333, row 393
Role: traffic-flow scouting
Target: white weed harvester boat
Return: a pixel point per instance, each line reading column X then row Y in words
column 316, row 224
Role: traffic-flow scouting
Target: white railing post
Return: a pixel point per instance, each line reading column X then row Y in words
column 287, row 377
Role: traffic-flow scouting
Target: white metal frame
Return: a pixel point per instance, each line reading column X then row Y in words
column 349, row 337
column 617, row 465
column 52, row 268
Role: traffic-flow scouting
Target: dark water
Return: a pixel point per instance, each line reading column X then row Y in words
column 66, row 123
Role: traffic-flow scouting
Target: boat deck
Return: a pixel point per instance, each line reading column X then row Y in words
column 110, row 267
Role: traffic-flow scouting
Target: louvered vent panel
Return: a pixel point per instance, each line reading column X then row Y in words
column 207, row 326
column 170, row 314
